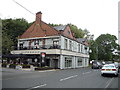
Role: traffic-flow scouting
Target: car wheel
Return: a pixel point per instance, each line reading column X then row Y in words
column 102, row 74
column 116, row 75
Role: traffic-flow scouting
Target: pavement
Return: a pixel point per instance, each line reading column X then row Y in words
column 69, row 78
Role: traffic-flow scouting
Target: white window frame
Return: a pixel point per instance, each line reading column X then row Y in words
column 80, row 61
column 66, row 44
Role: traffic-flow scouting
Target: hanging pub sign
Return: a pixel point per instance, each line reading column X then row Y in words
column 43, row 54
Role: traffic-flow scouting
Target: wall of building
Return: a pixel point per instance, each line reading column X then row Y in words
column 73, row 62
column 70, row 55
column 75, row 45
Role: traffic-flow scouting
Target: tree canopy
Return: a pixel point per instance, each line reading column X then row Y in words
column 79, row 33
column 11, row 29
column 14, row 27
column 103, row 47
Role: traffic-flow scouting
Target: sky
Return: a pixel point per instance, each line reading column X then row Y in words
column 97, row 16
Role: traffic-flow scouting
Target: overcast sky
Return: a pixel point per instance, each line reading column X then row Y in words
column 98, row 16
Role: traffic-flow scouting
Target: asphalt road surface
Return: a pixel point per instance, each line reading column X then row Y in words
column 70, row 78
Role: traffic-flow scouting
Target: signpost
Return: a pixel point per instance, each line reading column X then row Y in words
column 43, row 54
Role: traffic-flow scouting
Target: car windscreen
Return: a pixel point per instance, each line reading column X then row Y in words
column 110, row 66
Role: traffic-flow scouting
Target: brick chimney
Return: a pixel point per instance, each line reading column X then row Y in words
column 38, row 17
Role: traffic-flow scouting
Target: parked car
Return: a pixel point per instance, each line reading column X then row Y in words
column 116, row 64
column 97, row 65
column 103, row 62
column 109, row 69
column 119, row 65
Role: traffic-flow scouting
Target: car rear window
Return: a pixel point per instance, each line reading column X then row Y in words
column 109, row 66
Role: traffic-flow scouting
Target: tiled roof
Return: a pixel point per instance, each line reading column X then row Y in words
column 82, row 40
column 39, row 29
column 62, row 27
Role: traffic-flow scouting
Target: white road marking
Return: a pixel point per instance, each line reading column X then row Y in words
column 47, row 71
column 68, row 77
column 108, row 82
column 86, row 72
column 9, row 78
column 37, row 87
column 40, row 86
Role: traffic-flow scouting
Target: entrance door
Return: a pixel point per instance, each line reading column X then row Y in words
column 55, row 63
column 47, row 62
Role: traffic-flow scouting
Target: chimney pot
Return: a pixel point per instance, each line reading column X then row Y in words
column 38, row 17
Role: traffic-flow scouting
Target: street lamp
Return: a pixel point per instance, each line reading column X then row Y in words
column 90, row 51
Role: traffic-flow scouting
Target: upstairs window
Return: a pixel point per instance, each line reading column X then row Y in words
column 78, row 47
column 81, row 49
column 66, row 44
column 36, row 42
column 70, row 45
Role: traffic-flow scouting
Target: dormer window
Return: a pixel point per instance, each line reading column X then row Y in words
column 68, row 32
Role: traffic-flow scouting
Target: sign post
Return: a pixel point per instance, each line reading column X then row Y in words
column 43, row 55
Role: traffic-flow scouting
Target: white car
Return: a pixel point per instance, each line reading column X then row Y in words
column 109, row 69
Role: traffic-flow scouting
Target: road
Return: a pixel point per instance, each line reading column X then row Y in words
column 70, row 78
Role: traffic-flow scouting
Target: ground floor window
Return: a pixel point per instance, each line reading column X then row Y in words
column 86, row 61
column 68, row 61
column 79, row 63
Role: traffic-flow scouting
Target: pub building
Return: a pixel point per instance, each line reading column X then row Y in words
column 54, row 47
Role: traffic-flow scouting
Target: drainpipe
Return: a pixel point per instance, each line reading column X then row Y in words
column 61, row 62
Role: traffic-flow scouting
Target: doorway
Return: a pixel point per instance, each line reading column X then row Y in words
column 55, row 63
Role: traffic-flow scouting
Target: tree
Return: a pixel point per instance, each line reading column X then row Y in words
column 11, row 29
column 116, row 53
column 14, row 28
column 79, row 33
column 7, row 43
column 92, row 47
column 106, row 44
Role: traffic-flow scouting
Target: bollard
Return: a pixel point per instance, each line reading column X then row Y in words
column 19, row 67
column 32, row 68
column 8, row 65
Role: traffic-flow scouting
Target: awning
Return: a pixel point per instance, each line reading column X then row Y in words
column 18, row 56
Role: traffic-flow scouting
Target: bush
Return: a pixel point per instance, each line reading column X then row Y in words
column 25, row 66
column 12, row 65
column 4, row 65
